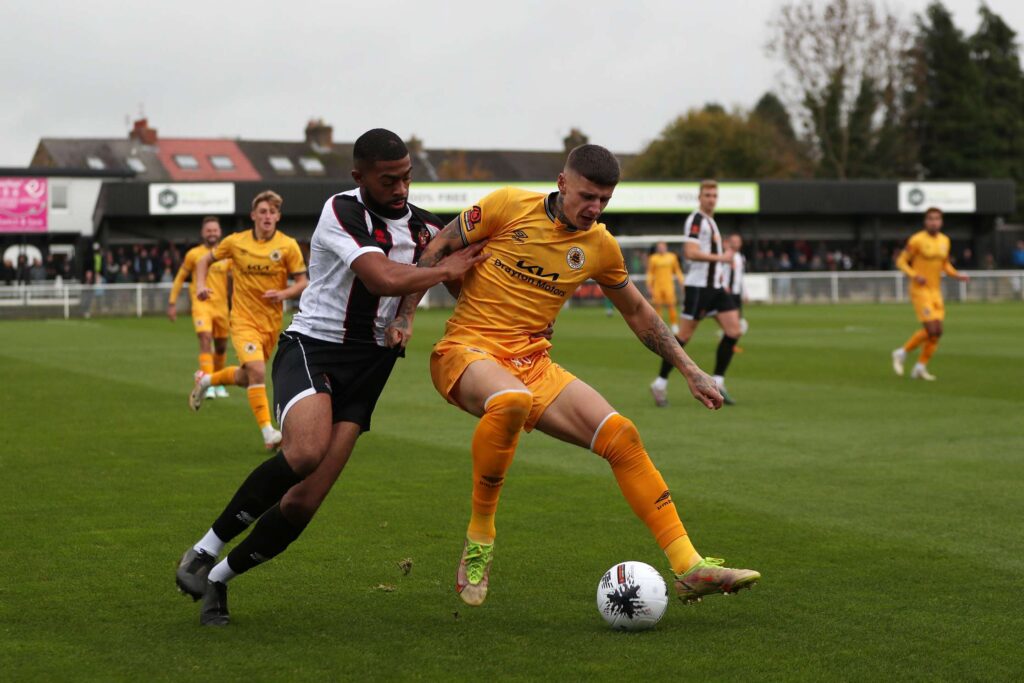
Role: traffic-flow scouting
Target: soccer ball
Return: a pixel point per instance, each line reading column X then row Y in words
column 632, row 596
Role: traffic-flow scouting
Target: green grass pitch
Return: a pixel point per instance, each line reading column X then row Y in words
column 886, row 515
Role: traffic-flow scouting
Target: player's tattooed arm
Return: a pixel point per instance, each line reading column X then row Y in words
column 650, row 329
column 445, row 242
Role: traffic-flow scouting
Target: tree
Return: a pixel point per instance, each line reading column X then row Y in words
column 846, row 70
column 574, row 139
column 1001, row 112
column 772, row 111
column 946, row 118
column 714, row 143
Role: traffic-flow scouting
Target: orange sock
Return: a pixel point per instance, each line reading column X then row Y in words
column 257, row 394
column 928, row 350
column 915, row 340
column 206, row 363
column 494, row 445
column 224, row 376
column 618, row 441
column 673, row 315
column 219, row 359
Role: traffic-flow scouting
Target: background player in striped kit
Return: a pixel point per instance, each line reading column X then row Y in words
column 705, row 292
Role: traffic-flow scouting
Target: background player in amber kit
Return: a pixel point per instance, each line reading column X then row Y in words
column 210, row 317
column 924, row 259
column 262, row 259
column 663, row 271
column 543, row 247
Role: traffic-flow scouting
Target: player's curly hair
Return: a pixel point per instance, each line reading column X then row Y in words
column 595, row 163
column 378, row 144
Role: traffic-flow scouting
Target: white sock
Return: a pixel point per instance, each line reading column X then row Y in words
column 268, row 431
column 209, row 544
column 222, row 572
column 719, row 381
column 901, row 352
column 660, row 383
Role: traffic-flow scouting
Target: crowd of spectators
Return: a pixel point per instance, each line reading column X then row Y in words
column 159, row 263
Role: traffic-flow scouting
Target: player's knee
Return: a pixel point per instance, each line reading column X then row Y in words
column 618, row 440
column 511, row 406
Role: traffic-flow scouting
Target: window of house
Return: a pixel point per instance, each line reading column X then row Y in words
column 312, row 165
column 136, row 164
column 222, row 162
column 95, row 163
column 281, row 164
column 186, row 162
column 58, row 197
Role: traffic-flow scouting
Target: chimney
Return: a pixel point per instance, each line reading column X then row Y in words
column 319, row 135
column 142, row 132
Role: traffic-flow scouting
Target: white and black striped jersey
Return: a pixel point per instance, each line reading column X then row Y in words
column 337, row 306
column 704, row 231
column 732, row 273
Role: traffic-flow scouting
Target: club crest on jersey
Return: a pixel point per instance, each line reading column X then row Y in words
column 423, row 237
column 472, row 217
column 275, row 255
column 575, row 258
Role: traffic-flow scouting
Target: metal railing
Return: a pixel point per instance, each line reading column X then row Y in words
column 73, row 300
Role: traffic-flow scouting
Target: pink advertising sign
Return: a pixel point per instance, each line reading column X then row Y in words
column 23, row 204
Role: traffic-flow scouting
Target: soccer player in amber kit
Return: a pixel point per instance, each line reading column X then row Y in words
column 924, row 260
column 542, row 247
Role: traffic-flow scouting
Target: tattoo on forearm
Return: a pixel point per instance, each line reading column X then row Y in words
column 444, row 243
column 657, row 336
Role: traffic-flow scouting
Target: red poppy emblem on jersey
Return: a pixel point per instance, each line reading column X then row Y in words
column 472, row 217
column 380, row 236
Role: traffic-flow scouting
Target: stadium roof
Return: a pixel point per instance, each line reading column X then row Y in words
column 149, row 158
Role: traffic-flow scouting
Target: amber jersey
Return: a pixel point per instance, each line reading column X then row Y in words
column 216, row 279
column 536, row 263
column 259, row 265
column 661, row 269
column 928, row 256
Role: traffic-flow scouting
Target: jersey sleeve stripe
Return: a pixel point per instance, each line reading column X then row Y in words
column 618, row 286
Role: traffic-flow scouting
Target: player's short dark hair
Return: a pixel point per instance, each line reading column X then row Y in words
column 932, row 209
column 210, row 219
column 378, row 144
column 595, row 163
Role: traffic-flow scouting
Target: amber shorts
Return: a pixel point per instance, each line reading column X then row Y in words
column 210, row 320
column 544, row 378
column 928, row 306
column 252, row 344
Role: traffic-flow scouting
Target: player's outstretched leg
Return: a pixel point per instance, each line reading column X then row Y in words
column 581, row 416
column 261, row 489
column 203, row 381
column 494, row 445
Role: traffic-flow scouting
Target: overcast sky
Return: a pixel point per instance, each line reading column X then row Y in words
column 458, row 73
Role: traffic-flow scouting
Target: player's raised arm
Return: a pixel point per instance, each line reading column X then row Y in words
column 656, row 335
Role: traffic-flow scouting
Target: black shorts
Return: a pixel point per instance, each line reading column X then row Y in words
column 701, row 302
column 737, row 300
column 353, row 374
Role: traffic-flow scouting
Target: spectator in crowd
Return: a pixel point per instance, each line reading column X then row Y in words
column 124, row 274
column 110, row 268
column 7, row 273
column 37, row 273
column 1018, row 255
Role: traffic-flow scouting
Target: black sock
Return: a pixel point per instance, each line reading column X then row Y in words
column 724, row 354
column 262, row 488
column 666, row 367
column 268, row 539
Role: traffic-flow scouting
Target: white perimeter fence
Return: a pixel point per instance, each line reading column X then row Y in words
column 70, row 300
